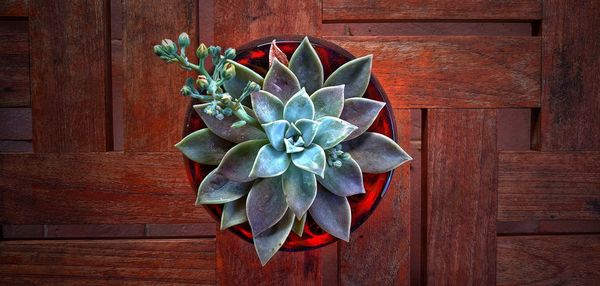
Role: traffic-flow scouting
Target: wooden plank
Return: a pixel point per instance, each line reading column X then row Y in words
column 10, row 146
column 514, row 129
column 549, row 260
column 102, row 262
column 14, row 8
column 570, row 76
column 453, row 72
column 153, row 109
column 366, row 10
column 15, row 123
column 96, row 188
column 70, row 75
column 461, row 197
column 14, row 63
column 427, row 29
column 386, row 231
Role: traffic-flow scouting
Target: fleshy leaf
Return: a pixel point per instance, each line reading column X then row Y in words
column 292, row 131
column 355, row 74
column 332, row 131
column 271, row 240
column 300, row 188
column 328, row 101
column 307, row 67
column 234, row 213
column 217, row 189
column 237, row 162
column 376, row 153
column 293, row 147
column 361, row 112
column 267, row 107
column 276, row 132
column 270, row 162
column 332, row 213
column 299, row 107
column 243, row 75
column 308, row 129
column 223, row 129
column 204, row 147
column 276, row 53
column 265, row 205
column 281, row 82
column 298, row 227
column 312, row 159
column 344, row 181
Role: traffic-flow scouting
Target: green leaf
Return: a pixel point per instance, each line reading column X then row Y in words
column 270, row 162
column 360, row 112
column 344, row 181
column 243, row 75
column 276, row 132
column 300, row 188
column 328, row 101
column 265, row 205
column 271, row 240
column 332, row 131
column 237, row 162
column 217, row 189
column 355, row 75
column 204, row 147
column 312, row 159
column 376, row 153
column 298, row 227
column 299, row 107
column 307, row 67
column 281, row 82
column 234, row 213
column 332, row 213
column 223, row 129
column 308, row 129
column 268, row 108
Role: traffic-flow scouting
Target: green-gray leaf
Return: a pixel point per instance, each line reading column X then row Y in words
column 237, row 162
column 312, row 159
column 243, row 75
column 234, row 213
column 223, row 129
column 299, row 107
column 270, row 162
column 308, row 129
column 267, row 107
column 344, row 181
column 355, row 74
column 204, row 147
column 276, row 132
column 300, row 188
column 332, row 213
column 361, row 112
column 265, row 205
column 376, row 153
column 271, row 240
column 281, row 82
column 332, row 131
column 217, row 189
column 307, row 67
column 298, row 227
column 328, row 101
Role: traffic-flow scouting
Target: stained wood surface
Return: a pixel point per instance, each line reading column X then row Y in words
column 14, row 8
column 96, row 188
column 108, row 262
column 15, row 123
column 453, row 72
column 548, row 260
column 69, row 76
column 14, row 63
column 365, row 10
column 426, row 28
column 570, row 76
column 461, row 197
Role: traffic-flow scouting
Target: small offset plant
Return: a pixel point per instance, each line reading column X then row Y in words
column 286, row 146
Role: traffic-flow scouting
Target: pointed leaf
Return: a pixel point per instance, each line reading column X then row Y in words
column 332, row 213
column 268, row 108
column 376, row 153
column 361, row 112
column 299, row 107
column 265, row 204
column 217, row 189
column 298, row 227
column 300, row 188
column 270, row 162
column 307, row 67
column 332, row 131
column 328, row 101
column 204, row 147
column 344, row 181
column 271, row 240
column 355, row 74
column 223, row 129
column 237, row 162
column 281, row 82
column 243, row 75
column 291, row 147
column 312, row 159
column 234, row 213
column 276, row 53
column 308, row 129
column 292, row 131
column 276, row 133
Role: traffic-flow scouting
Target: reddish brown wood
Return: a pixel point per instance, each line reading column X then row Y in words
column 427, row 28
column 548, row 227
column 571, row 76
column 102, row 262
column 15, row 123
column 10, row 146
column 207, row 229
column 454, row 72
column 14, row 8
column 94, row 230
column 14, row 63
column 514, row 129
column 22, row 231
column 365, row 10
column 96, row 188
column 549, row 260
column 461, row 197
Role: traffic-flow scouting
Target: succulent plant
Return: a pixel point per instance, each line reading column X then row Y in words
column 298, row 148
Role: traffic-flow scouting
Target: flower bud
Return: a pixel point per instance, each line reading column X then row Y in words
column 158, row 50
column 202, row 82
column 169, row 46
column 228, row 71
column 202, row 51
column 186, row 90
column 184, row 40
column 230, row 54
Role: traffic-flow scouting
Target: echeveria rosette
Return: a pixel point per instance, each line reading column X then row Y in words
column 306, row 155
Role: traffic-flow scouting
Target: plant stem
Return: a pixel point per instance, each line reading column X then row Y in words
column 243, row 115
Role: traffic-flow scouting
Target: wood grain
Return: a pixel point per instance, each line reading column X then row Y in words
column 14, row 8
column 461, row 197
column 549, row 260
column 14, row 63
column 453, row 72
column 108, row 262
column 153, row 109
column 570, row 76
column 365, row 10
column 15, row 123
column 96, row 188
column 427, row 29
column 70, row 76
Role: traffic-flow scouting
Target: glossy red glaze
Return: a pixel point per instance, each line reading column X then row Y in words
column 255, row 56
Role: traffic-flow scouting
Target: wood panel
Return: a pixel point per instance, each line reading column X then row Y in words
column 461, row 197
column 15, row 123
column 14, row 63
column 453, row 72
column 571, row 76
column 96, row 188
column 108, row 262
column 427, row 28
column 549, row 260
column 14, row 8
column 70, row 74
column 366, row 10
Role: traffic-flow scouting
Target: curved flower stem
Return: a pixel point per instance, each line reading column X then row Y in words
column 243, row 115
column 203, row 98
